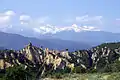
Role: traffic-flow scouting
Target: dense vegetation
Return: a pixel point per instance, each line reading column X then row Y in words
column 110, row 45
column 19, row 73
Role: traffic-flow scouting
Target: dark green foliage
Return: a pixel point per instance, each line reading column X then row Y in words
column 92, row 71
column 110, row 45
column 59, row 73
column 76, row 70
column 17, row 73
column 79, row 69
column 107, row 68
column 67, row 70
column 101, row 64
column 56, row 75
column 113, row 67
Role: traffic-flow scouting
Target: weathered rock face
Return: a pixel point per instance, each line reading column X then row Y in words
column 103, row 56
column 2, row 64
column 32, row 53
column 33, row 56
column 96, row 57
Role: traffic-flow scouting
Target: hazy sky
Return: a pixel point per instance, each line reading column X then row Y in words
column 102, row 14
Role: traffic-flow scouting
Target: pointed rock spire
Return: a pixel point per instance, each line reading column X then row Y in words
column 66, row 49
column 30, row 44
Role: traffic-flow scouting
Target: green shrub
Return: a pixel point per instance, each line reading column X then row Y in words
column 55, row 75
column 79, row 69
column 92, row 71
column 115, row 66
column 67, row 70
column 17, row 73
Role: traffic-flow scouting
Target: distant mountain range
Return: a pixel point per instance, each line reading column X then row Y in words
column 15, row 41
column 91, row 37
column 73, row 38
column 90, row 34
column 1, row 48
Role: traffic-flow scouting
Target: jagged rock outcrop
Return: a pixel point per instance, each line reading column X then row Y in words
column 36, row 57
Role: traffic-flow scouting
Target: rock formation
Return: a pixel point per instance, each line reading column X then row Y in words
column 36, row 57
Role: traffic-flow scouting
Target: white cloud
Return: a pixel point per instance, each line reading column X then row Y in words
column 93, row 20
column 39, row 25
column 5, row 18
column 82, row 18
column 36, row 24
column 88, row 23
column 89, row 19
column 32, row 22
column 36, row 30
column 25, row 18
column 10, row 13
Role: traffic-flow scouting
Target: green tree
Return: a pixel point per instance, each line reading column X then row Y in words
column 17, row 73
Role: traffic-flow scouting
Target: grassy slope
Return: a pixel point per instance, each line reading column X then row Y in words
column 94, row 76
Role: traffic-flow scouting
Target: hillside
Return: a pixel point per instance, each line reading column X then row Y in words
column 87, row 76
column 60, row 40
column 1, row 48
column 110, row 45
column 17, row 42
column 92, row 37
column 46, row 61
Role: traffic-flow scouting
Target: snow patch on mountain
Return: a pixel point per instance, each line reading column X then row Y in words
column 54, row 29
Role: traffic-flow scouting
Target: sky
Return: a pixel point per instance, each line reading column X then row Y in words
column 20, row 15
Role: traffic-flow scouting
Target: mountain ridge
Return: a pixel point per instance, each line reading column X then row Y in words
column 16, row 41
column 92, row 38
column 45, row 61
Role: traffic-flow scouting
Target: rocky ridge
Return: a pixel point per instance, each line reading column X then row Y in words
column 54, row 60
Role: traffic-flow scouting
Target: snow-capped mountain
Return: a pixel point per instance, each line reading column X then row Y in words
column 53, row 29
column 87, row 34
